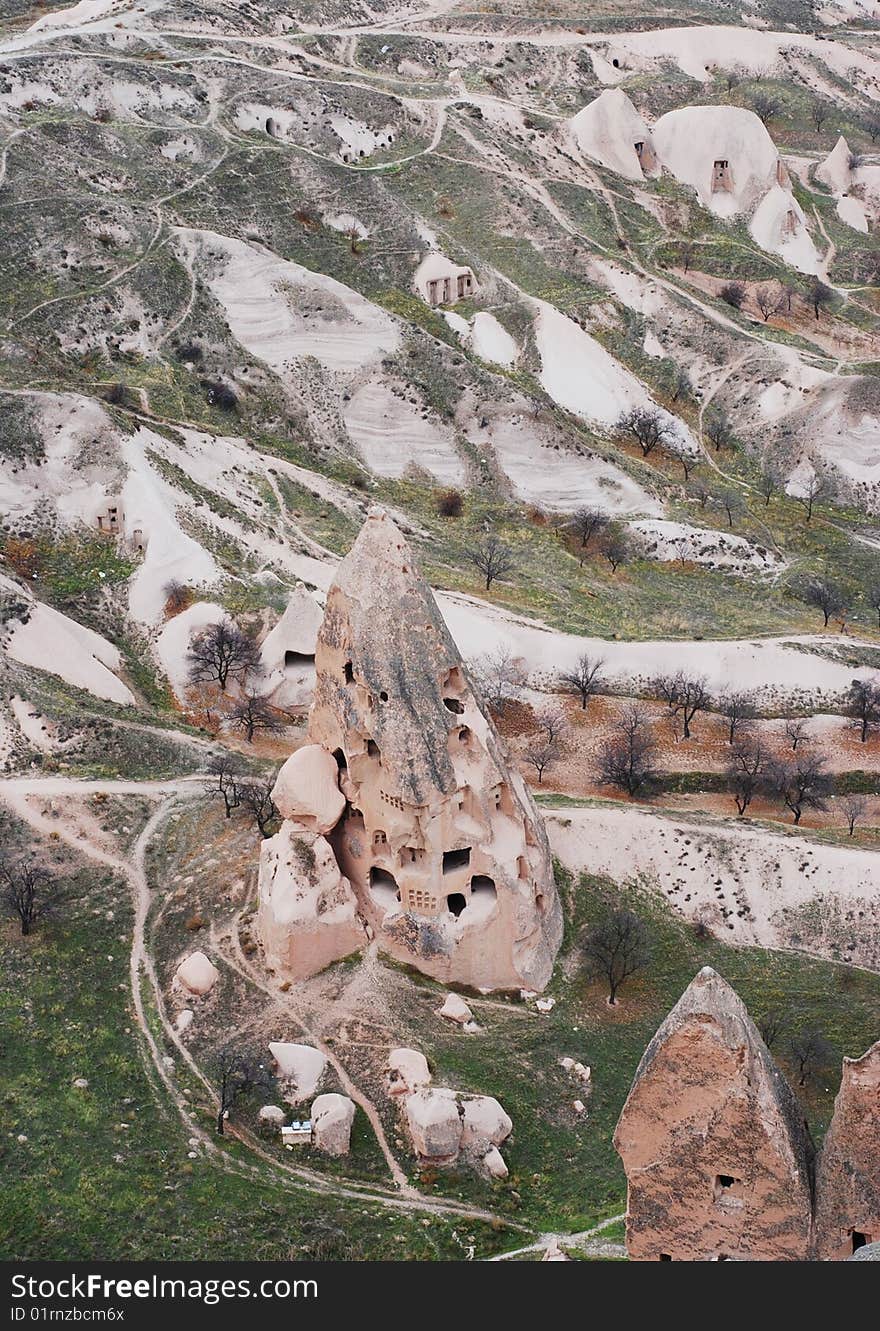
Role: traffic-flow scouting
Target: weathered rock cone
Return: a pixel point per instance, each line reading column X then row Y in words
column 848, row 1182
column 439, row 838
column 716, row 1153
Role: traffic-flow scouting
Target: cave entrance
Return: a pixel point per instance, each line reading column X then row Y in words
column 859, row 1240
column 456, row 903
column 453, row 860
column 297, row 660
column 384, row 889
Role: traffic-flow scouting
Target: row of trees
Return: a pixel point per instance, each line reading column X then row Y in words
column 770, row 299
column 228, row 779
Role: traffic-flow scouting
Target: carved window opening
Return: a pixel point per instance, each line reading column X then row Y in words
column 859, row 1240
column 296, row 660
column 453, row 705
column 341, row 760
column 380, row 839
column 455, row 903
column 721, row 179
column 464, row 734
column 665, row 1257
column 453, row 860
column 373, row 749
column 348, row 672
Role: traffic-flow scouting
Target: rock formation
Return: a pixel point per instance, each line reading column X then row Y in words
column 438, row 837
column 611, row 130
column 300, row 1069
column 197, row 973
column 714, row 1146
column 288, row 651
column 848, row 1181
column 407, row 1071
column 332, row 1119
column 434, row 1122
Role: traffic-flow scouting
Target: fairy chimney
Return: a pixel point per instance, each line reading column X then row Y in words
column 440, row 839
column 848, row 1181
column 717, row 1157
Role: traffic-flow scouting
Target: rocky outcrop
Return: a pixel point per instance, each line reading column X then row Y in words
column 407, row 1071
column 197, row 973
column 434, row 1123
column 848, row 1182
column 717, row 1158
column 299, row 1068
column 308, row 914
column 332, row 1119
column 438, row 836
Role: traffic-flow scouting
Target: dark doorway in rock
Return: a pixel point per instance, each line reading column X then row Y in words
column 296, row 660
column 373, row 749
column 456, row 859
column 859, row 1240
column 453, row 705
column 456, row 903
column 665, row 1257
column 341, row 760
column 348, row 672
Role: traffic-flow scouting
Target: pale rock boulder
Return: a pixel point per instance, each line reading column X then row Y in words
column 455, row 1009
column 407, row 1071
column 611, row 131
column 835, row 170
column 288, row 650
column 300, row 1066
column 332, row 1119
column 183, row 1020
column 197, row 973
column 494, row 1163
column 307, row 789
column 713, row 1142
column 308, row 914
column 848, row 1180
column 434, row 1122
column 723, row 152
column 484, row 1124
column 271, row 1116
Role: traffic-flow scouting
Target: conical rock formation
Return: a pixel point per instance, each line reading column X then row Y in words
column 439, row 838
column 848, row 1183
column 714, row 1146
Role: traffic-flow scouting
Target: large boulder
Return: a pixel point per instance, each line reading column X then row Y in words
column 484, row 1124
column 434, row 1124
column 308, row 914
column 307, row 789
column 332, row 1119
column 300, row 1066
column 456, row 1009
column 197, row 973
column 407, row 1071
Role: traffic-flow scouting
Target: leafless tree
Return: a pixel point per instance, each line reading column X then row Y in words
column 816, row 488
column 541, row 753
column 733, row 293
column 739, row 712
column 685, row 695
column 787, row 292
column 731, row 504
column 820, row 112
column 225, row 773
column 627, row 758
column 823, row 595
column 771, row 1026
column 872, row 595
column 222, row 652
column 682, row 385
column 177, row 594
column 587, row 523
column 819, row 296
column 584, row 678
column 235, row 1075
column 716, row 427
column 765, row 106
column 863, row 706
column 256, row 800
column 500, row 677
column 687, row 251
column 801, row 784
column 767, row 301
column 746, row 773
column 796, row 732
column 252, row 712
column 854, row 808
column 27, row 890
column 856, row 160
column 646, row 425
column 552, row 724
column 492, row 558
column 615, row 546
column 768, row 483
column 701, row 494
column 811, row 1052
column 680, row 452
column 616, row 948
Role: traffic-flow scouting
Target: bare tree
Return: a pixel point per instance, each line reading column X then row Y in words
column 731, row 504
column 584, row 678
column 854, row 808
column 492, row 558
column 771, row 1026
column 787, row 292
column 225, row 773
column 765, row 106
column 617, row 948
column 811, row 1052
column 626, row 759
column 680, row 452
column 500, row 677
column 820, row 112
column 796, row 732
column 824, row 595
column 587, row 523
column 25, row 887
column 768, row 483
column 816, row 488
column 646, row 425
column 801, row 784
column 685, row 695
column 819, row 296
column 746, row 773
column 739, row 711
column 733, row 293
column 863, row 706
column 252, row 712
column 256, row 799
column 616, row 546
column 552, row 724
column 682, row 385
column 767, row 301
column 541, row 753
column 235, row 1074
column 177, row 595
column 716, row 427
column 222, row 652
column 687, row 252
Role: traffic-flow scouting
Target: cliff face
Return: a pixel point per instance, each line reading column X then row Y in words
column 714, row 1147
column 848, row 1183
column 439, row 837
